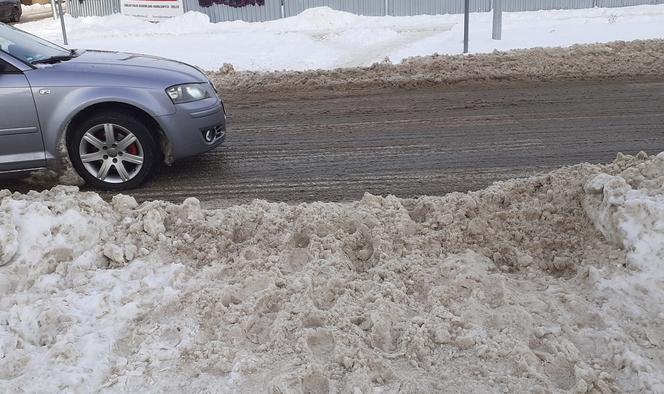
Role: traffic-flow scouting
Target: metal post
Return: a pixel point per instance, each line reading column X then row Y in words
column 62, row 21
column 497, row 19
column 53, row 9
column 466, row 18
column 387, row 7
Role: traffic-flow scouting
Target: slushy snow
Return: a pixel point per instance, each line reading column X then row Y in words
column 321, row 38
column 546, row 284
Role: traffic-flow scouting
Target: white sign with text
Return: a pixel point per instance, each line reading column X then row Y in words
column 153, row 10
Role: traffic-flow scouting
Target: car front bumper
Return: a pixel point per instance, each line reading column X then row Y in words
column 189, row 126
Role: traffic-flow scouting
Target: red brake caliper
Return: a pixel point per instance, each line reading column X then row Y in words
column 132, row 149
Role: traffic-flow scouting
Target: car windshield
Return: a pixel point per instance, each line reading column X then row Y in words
column 29, row 48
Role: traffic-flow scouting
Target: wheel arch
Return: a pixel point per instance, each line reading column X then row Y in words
column 109, row 106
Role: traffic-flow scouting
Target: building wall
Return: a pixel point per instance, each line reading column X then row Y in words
column 360, row 7
column 93, row 7
column 219, row 13
column 434, row 7
column 275, row 9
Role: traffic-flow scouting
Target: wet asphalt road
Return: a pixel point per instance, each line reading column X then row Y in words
column 334, row 146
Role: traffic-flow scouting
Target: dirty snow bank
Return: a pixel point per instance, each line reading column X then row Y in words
column 597, row 61
column 509, row 288
column 628, row 208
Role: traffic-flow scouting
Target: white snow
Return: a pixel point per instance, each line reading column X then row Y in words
column 321, row 38
column 8, row 239
column 631, row 215
column 628, row 208
column 63, row 321
column 35, row 8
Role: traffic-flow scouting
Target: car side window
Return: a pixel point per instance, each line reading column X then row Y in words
column 6, row 68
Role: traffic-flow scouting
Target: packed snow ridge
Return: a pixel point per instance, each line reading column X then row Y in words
column 612, row 61
column 322, row 38
column 547, row 284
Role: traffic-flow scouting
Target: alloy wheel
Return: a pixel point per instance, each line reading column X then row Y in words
column 111, row 153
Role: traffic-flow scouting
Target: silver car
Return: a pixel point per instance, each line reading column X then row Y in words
column 119, row 115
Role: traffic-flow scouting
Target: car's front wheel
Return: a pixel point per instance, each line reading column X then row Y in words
column 113, row 151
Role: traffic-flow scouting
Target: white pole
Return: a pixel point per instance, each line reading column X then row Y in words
column 497, row 19
column 466, row 20
column 62, row 22
column 55, row 15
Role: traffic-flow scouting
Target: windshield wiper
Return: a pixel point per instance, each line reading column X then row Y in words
column 56, row 59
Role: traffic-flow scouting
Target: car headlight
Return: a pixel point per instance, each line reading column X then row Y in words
column 187, row 93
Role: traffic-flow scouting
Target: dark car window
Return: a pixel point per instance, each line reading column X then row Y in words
column 6, row 68
column 27, row 47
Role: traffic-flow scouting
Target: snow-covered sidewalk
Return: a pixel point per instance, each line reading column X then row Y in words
column 322, row 38
column 508, row 289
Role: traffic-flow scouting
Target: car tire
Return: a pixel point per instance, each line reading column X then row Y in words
column 113, row 151
column 16, row 15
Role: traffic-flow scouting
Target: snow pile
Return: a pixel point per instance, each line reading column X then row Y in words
column 628, row 208
column 615, row 60
column 321, row 38
column 630, row 214
column 8, row 239
column 509, row 288
column 61, row 312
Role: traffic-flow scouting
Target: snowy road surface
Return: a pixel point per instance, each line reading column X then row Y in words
column 336, row 146
column 411, row 143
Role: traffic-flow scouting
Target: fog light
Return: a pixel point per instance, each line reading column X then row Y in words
column 209, row 135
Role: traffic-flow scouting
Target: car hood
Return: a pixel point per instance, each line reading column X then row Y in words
column 103, row 68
